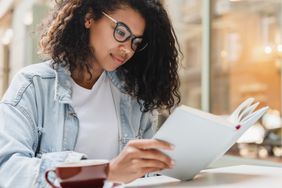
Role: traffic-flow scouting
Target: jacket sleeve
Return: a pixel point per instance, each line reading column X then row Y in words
column 19, row 167
column 19, row 136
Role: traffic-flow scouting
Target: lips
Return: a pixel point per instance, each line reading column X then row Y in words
column 117, row 59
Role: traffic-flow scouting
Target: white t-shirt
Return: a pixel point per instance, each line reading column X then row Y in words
column 98, row 124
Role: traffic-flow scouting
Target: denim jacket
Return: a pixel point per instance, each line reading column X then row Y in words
column 39, row 127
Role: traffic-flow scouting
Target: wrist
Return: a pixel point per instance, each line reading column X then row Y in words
column 111, row 176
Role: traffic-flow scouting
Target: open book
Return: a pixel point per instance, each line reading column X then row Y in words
column 200, row 137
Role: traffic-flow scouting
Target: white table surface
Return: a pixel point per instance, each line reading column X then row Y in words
column 228, row 177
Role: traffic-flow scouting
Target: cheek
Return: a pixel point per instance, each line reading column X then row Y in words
column 96, row 36
column 99, row 47
column 103, row 43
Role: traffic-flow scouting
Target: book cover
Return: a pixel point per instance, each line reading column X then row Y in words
column 200, row 137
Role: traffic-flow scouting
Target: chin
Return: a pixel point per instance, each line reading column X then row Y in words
column 110, row 69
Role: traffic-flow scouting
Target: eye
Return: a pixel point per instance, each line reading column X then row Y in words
column 120, row 32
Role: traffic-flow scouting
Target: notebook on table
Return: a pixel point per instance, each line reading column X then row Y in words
column 200, row 138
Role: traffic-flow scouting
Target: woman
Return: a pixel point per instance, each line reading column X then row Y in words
column 112, row 64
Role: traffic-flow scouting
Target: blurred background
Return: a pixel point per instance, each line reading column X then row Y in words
column 232, row 50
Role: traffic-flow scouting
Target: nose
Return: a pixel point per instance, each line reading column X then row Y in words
column 125, row 49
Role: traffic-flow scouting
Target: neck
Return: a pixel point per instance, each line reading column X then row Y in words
column 83, row 78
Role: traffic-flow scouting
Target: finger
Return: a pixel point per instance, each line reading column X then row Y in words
column 147, row 163
column 150, row 154
column 156, row 155
column 151, row 163
column 150, row 144
column 149, row 170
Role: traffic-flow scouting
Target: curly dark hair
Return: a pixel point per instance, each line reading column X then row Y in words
column 150, row 75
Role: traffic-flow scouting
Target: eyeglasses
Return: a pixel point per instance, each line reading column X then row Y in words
column 122, row 33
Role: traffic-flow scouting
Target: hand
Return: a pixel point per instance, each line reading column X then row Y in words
column 138, row 158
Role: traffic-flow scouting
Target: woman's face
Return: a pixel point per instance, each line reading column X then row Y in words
column 109, row 53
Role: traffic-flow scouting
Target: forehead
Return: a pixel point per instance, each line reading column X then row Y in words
column 131, row 18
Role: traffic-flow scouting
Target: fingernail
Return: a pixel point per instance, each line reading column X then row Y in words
column 172, row 147
column 172, row 164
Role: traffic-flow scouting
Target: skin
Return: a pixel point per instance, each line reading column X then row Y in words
column 109, row 53
column 139, row 156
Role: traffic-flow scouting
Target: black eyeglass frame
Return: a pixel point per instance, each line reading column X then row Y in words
column 131, row 36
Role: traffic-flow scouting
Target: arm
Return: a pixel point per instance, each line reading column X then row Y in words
column 19, row 136
column 19, row 167
column 141, row 156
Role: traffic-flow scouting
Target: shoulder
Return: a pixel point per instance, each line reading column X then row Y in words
column 43, row 70
column 28, row 79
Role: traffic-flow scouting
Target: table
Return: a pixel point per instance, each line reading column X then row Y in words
column 228, row 177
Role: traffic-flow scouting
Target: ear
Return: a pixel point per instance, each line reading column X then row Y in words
column 88, row 19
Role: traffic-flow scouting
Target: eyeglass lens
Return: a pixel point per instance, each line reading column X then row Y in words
column 122, row 33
